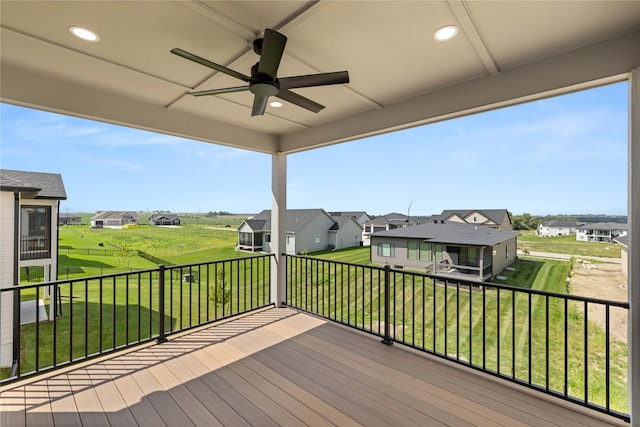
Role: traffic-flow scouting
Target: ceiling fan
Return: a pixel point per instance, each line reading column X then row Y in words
column 263, row 81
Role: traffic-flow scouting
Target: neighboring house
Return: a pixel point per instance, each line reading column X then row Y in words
column 361, row 217
column 164, row 219
column 385, row 222
column 624, row 252
column 493, row 218
column 557, row 228
column 66, row 219
column 449, row 249
column 600, row 231
column 29, row 208
column 307, row 230
column 114, row 219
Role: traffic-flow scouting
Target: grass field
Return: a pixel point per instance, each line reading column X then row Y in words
column 566, row 245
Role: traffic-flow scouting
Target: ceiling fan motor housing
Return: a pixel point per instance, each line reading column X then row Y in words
column 261, row 84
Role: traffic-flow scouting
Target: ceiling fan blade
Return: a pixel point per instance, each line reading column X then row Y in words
column 195, row 58
column 219, row 91
column 259, row 105
column 299, row 100
column 322, row 79
column 272, row 50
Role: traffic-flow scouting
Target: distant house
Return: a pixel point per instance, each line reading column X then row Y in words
column 114, row 219
column 389, row 221
column 450, row 249
column 307, row 230
column 493, row 218
column 29, row 208
column 623, row 241
column 557, row 228
column 67, row 219
column 360, row 216
column 600, row 231
column 164, row 219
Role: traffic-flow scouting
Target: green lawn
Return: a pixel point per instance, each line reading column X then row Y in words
column 566, row 245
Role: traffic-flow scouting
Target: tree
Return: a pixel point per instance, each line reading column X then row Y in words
column 125, row 253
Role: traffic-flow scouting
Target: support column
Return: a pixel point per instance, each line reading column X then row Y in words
column 633, row 267
column 278, row 227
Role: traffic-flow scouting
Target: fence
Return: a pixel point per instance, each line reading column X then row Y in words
column 101, row 314
column 560, row 344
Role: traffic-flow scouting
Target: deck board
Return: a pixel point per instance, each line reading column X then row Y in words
column 279, row 367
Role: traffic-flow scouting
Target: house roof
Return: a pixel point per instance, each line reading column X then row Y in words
column 495, row 215
column 391, row 218
column 451, row 233
column 296, row 219
column 44, row 185
column 114, row 214
column 623, row 240
column 163, row 215
column 560, row 223
column 603, row 226
column 355, row 214
column 504, row 53
column 340, row 221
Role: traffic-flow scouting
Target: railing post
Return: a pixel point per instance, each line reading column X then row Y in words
column 387, row 305
column 161, row 336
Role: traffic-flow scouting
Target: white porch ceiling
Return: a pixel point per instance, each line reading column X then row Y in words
column 505, row 52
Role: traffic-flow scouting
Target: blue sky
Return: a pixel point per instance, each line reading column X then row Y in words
column 562, row 155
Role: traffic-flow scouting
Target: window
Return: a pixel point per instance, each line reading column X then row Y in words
column 267, row 238
column 468, row 256
column 425, row 252
column 386, row 249
column 412, row 250
column 317, row 238
column 35, row 234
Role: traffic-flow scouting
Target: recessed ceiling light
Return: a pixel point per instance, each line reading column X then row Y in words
column 445, row 33
column 84, row 34
column 276, row 104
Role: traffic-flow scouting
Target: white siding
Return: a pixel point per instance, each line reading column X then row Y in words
column 6, row 276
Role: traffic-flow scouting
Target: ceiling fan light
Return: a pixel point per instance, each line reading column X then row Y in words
column 445, row 33
column 84, row 34
column 275, row 104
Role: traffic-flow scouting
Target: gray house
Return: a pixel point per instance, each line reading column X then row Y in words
column 307, row 230
column 389, row 221
column 164, row 219
column 114, row 219
column 494, row 218
column 360, row 216
column 450, row 250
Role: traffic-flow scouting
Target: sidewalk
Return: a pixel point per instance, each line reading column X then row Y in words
column 568, row 256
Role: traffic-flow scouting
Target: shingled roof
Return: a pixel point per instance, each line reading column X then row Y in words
column 452, row 233
column 44, row 185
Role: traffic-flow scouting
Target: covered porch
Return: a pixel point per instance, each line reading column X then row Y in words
column 279, row 366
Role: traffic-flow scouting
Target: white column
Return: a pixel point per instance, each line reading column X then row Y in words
column 278, row 227
column 633, row 267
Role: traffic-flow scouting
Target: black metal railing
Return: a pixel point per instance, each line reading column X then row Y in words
column 35, row 247
column 92, row 316
column 567, row 346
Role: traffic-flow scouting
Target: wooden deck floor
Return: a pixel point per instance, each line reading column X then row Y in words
column 278, row 367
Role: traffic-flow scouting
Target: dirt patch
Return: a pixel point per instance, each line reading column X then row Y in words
column 604, row 281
